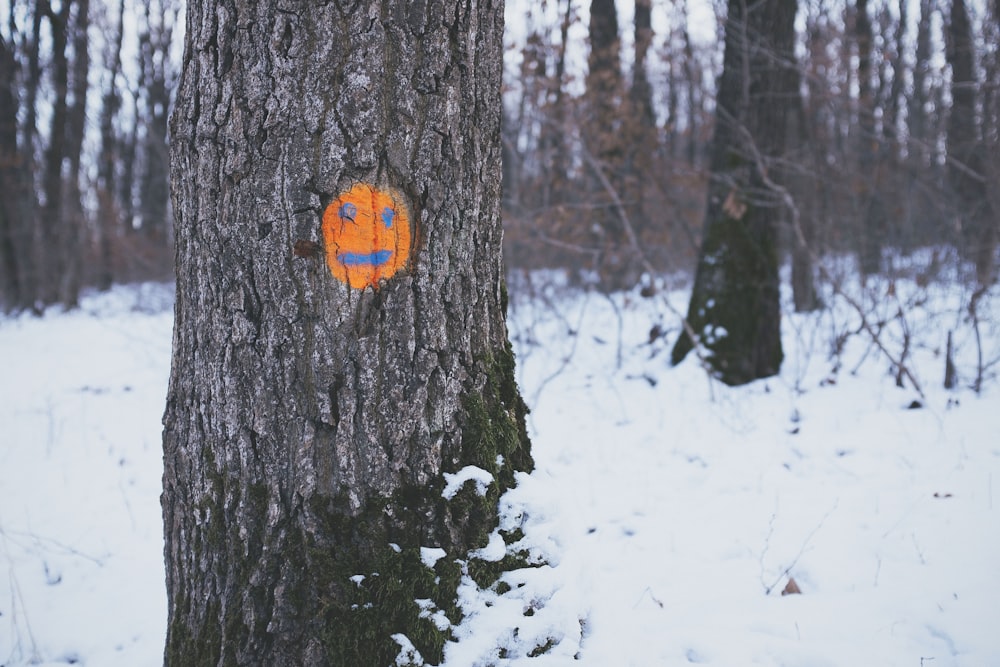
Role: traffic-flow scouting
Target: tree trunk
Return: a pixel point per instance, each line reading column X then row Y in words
column 602, row 139
column 74, row 223
column 62, row 212
column 32, row 82
column 965, row 158
column 801, row 177
column 639, row 130
column 52, row 222
column 734, row 307
column 17, row 211
column 153, row 186
column 310, row 419
column 109, row 212
column 871, row 213
column 695, row 95
column 920, row 198
column 641, row 93
column 891, row 128
column 918, row 125
column 561, row 148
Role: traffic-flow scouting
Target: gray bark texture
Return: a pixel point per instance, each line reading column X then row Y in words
column 308, row 423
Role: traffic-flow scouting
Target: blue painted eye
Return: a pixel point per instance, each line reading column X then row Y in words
column 348, row 211
column 387, row 216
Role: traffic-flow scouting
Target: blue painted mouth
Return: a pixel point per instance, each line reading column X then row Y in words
column 377, row 258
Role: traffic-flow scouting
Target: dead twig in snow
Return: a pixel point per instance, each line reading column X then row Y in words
column 802, row 549
column 633, row 241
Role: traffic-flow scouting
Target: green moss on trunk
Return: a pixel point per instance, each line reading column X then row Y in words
column 351, row 580
column 357, row 617
column 493, row 422
column 379, row 599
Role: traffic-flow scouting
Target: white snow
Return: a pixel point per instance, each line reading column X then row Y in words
column 666, row 514
column 455, row 481
column 431, row 555
column 428, row 609
column 494, row 550
column 408, row 653
column 81, row 534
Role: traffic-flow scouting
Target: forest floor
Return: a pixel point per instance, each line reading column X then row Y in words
column 667, row 512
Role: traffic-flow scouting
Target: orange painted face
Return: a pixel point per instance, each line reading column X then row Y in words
column 367, row 235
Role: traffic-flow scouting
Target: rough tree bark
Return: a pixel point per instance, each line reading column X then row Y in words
column 309, row 423
column 734, row 306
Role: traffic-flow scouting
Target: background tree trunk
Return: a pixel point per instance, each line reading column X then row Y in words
column 308, row 424
column 17, row 210
column 109, row 212
column 54, row 222
column 155, row 44
column 74, row 223
column 639, row 133
column 800, row 174
column 871, row 216
column 605, row 146
column 734, row 306
column 966, row 174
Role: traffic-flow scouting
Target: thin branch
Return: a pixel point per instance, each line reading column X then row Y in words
column 633, row 240
column 802, row 549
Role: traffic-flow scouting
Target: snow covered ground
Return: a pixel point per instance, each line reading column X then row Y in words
column 670, row 511
column 81, row 535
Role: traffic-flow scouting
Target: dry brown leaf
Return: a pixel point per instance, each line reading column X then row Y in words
column 734, row 206
column 791, row 588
